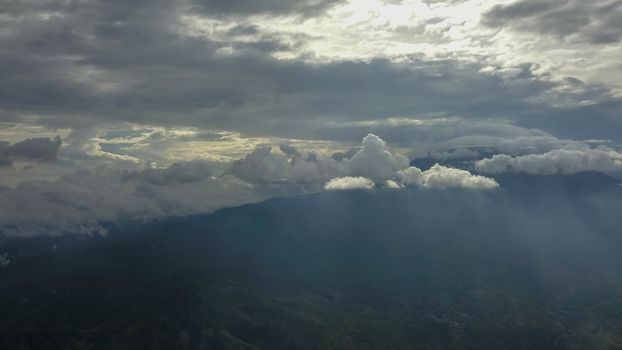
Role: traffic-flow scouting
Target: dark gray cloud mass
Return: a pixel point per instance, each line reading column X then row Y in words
column 245, row 7
column 86, row 63
column 592, row 21
column 179, row 173
column 41, row 149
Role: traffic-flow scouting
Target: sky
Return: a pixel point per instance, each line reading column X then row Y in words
column 115, row 110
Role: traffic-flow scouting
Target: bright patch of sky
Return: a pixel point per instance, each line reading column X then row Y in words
column 367, row 29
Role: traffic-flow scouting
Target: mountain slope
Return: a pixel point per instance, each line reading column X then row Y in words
column 453, row 269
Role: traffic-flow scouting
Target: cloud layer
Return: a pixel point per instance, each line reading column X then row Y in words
column 184, row 106
column 81, row 202
column 84, row 201
column 596, row 22
column 559, row 161
column 275, row 68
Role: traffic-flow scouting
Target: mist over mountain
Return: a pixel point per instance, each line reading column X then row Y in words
column 435, row 268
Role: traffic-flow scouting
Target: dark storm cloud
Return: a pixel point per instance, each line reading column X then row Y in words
column 5, row 161
column 41, row 149
column 596, row 22
column 96, row 62
column 177, row 173
column 574, row 122
column 276, row 7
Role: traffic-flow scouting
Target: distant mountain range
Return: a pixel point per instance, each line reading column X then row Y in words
column 586, row 181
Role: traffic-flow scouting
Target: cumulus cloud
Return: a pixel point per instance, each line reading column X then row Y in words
column 559, row 161
column 462, row 145
column 411, row 176
column 443, row 177
column 263, row 166
column 375, row 161
column 349, row 183
column 392, row 185
column 439, row 176
column 339, row 156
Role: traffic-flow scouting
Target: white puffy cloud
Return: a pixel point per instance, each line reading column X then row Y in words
column 411, row 176
column 392, row 185
column 375, row 161
column 439, row 176
column 442, row 177
column 349, row 183
column 263, row 166
column 558, row 161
